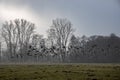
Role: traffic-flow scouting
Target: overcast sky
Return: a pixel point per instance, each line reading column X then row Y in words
column 89, row 17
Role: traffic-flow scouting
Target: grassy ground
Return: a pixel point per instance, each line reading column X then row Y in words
column 60, row 72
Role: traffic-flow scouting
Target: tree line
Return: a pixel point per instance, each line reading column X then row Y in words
column 23, row 44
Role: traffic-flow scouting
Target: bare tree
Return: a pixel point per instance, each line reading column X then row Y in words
column 25, row 31
column 52, row 36
column 17, row 35
column 8, row 30
column 62, row 30
column 36, row 39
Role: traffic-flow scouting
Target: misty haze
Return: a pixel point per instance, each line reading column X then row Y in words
column 59, row 39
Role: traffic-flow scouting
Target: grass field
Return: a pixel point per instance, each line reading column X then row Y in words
column 60, row 72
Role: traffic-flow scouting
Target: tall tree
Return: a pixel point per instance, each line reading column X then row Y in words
column 74, row 48
column 8, row 33
column 62, row 32
column 25, row 31
column 17, row 35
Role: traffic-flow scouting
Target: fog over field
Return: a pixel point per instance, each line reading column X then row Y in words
column 59, row 39
column 59, row 31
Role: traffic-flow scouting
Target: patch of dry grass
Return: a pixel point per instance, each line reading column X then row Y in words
column 60, row 72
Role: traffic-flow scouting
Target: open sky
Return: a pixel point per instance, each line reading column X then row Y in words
column 89, row 17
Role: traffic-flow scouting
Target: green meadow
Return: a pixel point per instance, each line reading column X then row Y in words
column 60, row 72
